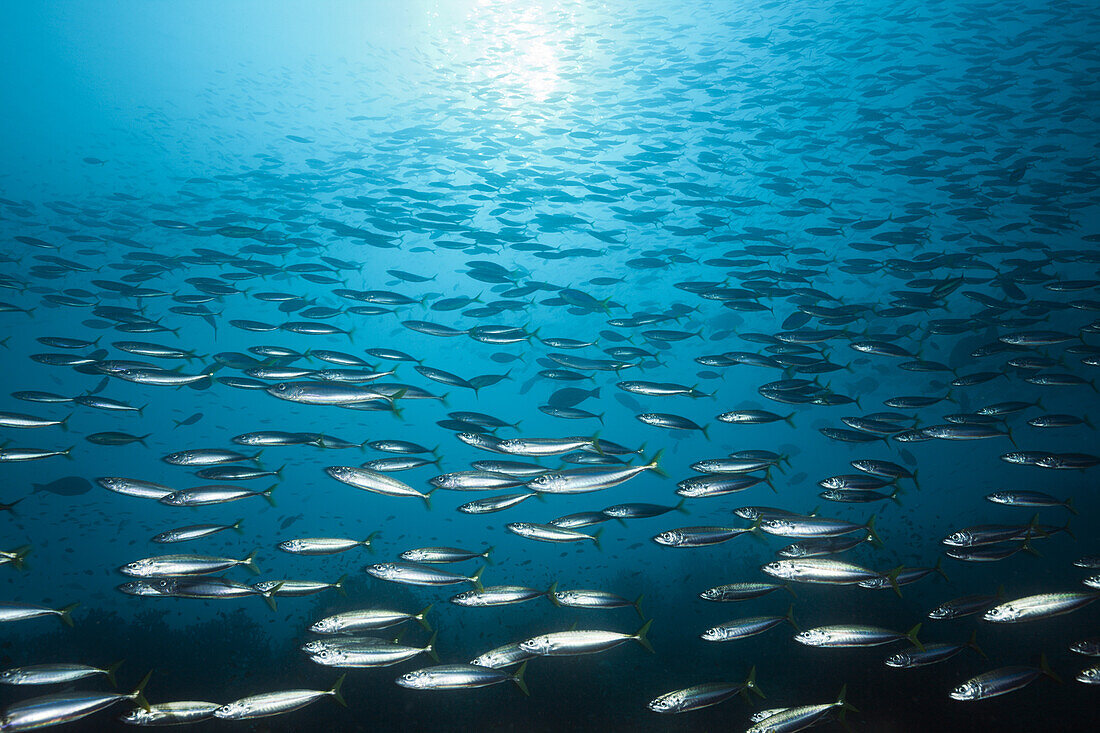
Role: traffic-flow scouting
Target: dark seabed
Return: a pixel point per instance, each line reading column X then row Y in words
column 764, row 269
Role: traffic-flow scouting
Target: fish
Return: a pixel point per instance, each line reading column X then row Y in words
column 65, row 707
column 577, row 642
column 67, row 486
column 702, row 696
column 460, row 676
column 55, row 674
column 12, row 611
column 1001, row 681
column 276, row 703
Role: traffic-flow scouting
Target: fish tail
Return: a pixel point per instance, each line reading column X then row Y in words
column 237, row 525
column 137, row 695
column 680, row 507
column 250, row 562
column 267, row 494
column 339, row 585
column 638, row 606
column 654, row 464
column 842, row 701
column 269, row 596
column 66, row 614
column 518, row 679
column 487, row 553
column 335, row 691
column 1068, row 504
column 430, row 648
column 1044, row 668
column 892, row 577
column 938, row 567
column 596, row 539
column 750, row 683
column 912, row 636
column 640, row 636
column 875, row 539
column 19, row 556
column 110, row 672
column 368, row 541
column 421, row 617
column 973, row 644
column 476, row 577
column 550, row 593
column 790, row 617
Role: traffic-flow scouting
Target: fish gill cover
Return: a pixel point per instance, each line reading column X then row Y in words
column 548, row 366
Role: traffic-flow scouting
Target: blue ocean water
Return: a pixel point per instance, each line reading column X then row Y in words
column 746, row 192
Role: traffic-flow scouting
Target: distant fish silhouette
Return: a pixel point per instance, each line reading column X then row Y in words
column 68, row 486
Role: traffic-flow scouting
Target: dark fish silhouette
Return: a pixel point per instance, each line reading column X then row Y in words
column 68, row 486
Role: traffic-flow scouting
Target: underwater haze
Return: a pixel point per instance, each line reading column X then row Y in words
column 467, row 365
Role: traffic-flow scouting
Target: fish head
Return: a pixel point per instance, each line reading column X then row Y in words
column 12, row 676
column 998, row 497
column 780, row 569
column 538, row 645
column 1090, row 676
column 812, row 637
column 233, row 711
column 413, row 556
column 711, row 594
column 314, row 647
column 474, row 439
column 899, row 661
column 465, row 598
column 416, row 680
column 137, row 568
column 340, row 473
column 777, row 526
column 969, row 690
column 138, row 716
column 384, row 570
column 962, row 538
column 176, row 498
column 545, row 482
column 265, row 585
column 1093, row 581
column 329, row 657
column 1005, row 613
column 940, row 613
column 285, row 390
column 667, row 703
column 715, row 633
column 670, row 538
column 139, row 588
